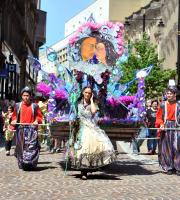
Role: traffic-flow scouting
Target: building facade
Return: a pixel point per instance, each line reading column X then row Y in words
column 168, row 42
column 148, row 18
column 22, row 32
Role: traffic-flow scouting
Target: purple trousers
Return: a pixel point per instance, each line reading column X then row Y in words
column 27, row 146
column 169, row 148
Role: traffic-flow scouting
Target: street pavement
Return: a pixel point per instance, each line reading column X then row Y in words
column 128, row 178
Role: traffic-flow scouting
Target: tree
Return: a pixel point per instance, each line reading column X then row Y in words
column 142, row 54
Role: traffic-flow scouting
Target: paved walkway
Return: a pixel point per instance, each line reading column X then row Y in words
column 127, row 179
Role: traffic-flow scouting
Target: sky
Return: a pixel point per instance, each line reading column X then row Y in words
column 58, row 13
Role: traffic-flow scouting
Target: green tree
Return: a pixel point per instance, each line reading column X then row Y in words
column 142, row 54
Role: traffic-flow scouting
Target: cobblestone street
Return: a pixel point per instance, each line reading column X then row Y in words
column 126, row 179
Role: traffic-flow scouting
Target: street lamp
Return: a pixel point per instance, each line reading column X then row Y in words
column 144, row 19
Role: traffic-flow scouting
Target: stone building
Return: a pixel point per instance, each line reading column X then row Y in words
column 22, row 32
column 148, row 19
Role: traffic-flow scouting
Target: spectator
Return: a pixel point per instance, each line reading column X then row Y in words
column 148, row 104
column 8, row 130
column 139, row 139
column 1, row 126
column 151, row 119
column 55, row 145
column 43, row 105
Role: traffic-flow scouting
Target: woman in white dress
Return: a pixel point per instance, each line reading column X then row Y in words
column 92, row 148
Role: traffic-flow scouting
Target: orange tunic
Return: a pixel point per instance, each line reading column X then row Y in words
column 171, row 109
column 26, row 115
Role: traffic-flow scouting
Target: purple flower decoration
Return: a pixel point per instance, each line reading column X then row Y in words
column 36, row 65
column 44, row 89
column 139, row 100
column 51, row 104
column 53, row 78
column 126, row 100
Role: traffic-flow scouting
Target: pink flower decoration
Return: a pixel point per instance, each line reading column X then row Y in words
column 43, row 88
column 120, row 35
column 94, row 26
column 110, row 24
column 60, row 94
column 120, row 41
column 121, row 25
column 120, row 51
column 73, row 39
column 126, row 100
column 112, row 101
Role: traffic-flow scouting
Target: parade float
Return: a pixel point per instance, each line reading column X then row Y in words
column 95, row 54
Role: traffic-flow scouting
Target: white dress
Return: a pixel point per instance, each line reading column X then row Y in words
column 92, row 148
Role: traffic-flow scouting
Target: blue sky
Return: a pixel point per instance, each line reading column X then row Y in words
column 59, row 12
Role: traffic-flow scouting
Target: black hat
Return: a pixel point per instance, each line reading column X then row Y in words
column 26, row 89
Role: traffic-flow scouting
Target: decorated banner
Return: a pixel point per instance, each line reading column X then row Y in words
column 95, row 48
column 95, row 54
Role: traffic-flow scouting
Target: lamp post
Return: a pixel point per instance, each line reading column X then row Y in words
column 144, row 22
column 144, row 19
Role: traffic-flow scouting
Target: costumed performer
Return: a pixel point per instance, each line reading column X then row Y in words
column 27, row 145
column 92, row 148
column 169, row 143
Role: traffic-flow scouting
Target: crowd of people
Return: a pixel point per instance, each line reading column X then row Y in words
column 90, row 147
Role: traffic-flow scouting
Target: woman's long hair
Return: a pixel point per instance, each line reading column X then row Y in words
column 111, row 55
column 82, row 95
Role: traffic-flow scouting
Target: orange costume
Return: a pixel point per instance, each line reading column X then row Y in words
column 169, row 148
column 165, row 114
column 171, row 108
column 26, row 114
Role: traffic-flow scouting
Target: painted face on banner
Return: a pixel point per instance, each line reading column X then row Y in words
column 98, row 51
column 88, row 47
column 101, row 52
